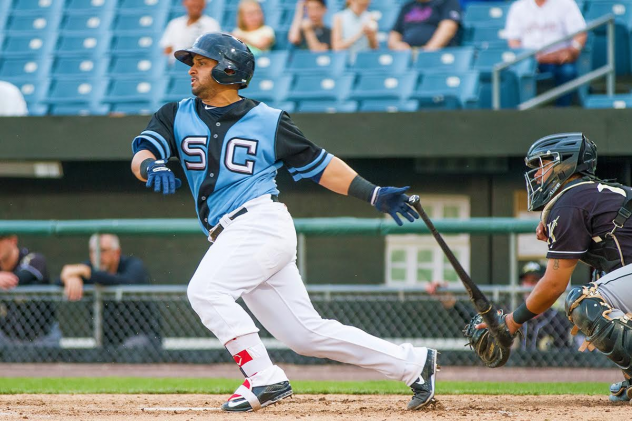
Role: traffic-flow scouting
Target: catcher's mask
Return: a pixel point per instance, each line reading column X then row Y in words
column 235, row 61
column 553, row 160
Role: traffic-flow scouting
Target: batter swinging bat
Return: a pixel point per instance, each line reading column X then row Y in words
column 483, row 306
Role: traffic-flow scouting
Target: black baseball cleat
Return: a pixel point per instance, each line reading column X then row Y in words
column 247, row 398
column 424, row 387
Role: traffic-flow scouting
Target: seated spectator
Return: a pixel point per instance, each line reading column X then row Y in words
column 182, row 32
column 532, row 24
column 125, row 323
column 12, row 103
column 427, row 24
column 251, row 27
column 25, row 322
column 311, row 32
column 354, row 28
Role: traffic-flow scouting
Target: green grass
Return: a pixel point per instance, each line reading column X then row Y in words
column 11, row 385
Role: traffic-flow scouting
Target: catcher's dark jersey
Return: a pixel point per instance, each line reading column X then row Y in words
column 581, row 213
column 26, row 320
column 230, row 157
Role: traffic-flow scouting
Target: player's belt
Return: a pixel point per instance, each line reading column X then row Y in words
column 217, row 229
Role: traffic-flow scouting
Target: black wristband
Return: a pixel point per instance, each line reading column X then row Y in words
column 143, row 167
column 522, row 314
column 362, row 189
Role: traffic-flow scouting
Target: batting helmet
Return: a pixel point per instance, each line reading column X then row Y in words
column 566, row 154
column 235, row 62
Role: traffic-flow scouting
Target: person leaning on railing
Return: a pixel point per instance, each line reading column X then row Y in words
column 125, row 323
column 31, row 321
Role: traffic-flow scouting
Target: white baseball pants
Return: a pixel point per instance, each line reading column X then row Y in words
column 255, row 258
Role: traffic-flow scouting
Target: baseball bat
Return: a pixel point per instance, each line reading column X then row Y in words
column 483, row 306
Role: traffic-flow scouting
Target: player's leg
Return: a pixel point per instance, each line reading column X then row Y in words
column 244, row 255
column 602, row 314
column 283, row 307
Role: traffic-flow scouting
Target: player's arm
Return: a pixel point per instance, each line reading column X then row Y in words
column 546, row 292
column 138, row 159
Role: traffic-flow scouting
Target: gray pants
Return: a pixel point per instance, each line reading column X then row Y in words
column 616, row 289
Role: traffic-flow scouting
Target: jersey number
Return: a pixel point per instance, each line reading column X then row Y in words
column 193, row 147
column 251, row 149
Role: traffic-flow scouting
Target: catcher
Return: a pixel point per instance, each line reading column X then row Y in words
column 583, row 218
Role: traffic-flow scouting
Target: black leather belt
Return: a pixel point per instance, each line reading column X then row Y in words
column 217, row 229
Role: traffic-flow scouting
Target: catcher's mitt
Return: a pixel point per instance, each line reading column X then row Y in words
column 484, row 344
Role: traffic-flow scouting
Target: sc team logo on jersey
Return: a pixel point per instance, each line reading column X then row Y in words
column 550, row 229
column 237, row 152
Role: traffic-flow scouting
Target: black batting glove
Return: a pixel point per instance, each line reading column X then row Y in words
column 161, row 178
column 392, row 200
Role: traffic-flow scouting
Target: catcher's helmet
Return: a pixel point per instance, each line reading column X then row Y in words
column 568, row 154
column 235, row 62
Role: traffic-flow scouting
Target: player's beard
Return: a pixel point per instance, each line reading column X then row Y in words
column 204, row 92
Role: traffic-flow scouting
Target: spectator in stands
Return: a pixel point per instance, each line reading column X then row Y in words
column 550, row 329
column 311, row 32
column 125, row 323
column 181, row 32
column 12, row 103
column 354, row 28
column 22, row 321
column 426, row 24
column 532, row 24
column 251, row 27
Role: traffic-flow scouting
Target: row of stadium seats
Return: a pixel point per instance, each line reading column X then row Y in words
column 279, row 76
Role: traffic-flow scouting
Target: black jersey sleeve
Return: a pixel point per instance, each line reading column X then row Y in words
column 568, row 231
column 158, row 136
column 301, row 157
column 32, row 270
column 451, row 10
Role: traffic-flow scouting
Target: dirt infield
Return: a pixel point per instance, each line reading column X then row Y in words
column 308, row 407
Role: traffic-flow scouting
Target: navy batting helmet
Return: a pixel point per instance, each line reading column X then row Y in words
column 235, row 62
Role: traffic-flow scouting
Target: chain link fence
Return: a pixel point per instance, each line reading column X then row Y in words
column 135, row 324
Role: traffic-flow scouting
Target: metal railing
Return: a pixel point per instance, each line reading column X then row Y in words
column 607, row 70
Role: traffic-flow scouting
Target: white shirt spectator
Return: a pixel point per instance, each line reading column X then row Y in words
column 12, row 103
column 179, row 35
column 535, row 26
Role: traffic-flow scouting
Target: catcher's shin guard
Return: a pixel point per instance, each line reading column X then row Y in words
column 611, row 335
column 621, row 392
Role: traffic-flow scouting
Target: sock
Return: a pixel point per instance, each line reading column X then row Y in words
column 249, row 353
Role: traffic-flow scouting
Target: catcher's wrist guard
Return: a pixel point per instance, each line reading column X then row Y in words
column 522, row 314
column 485, row 345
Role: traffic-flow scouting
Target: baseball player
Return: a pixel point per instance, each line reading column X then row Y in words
column 230, row 149
column 583, row 218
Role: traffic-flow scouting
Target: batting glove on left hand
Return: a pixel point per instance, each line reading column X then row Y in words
column 392, row 200
column 161, row 178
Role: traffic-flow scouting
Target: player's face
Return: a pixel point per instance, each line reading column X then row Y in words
column 543, row 173
column 202, row 83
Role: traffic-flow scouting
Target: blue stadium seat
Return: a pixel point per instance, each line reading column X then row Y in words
column 385, row 17
column 34, row 92
column 371, row 86
column 78, row 109
column 178, row 69
column 314, row 87
column 452, row 59
column 28, row 68
column 69, row 44
column 87, row 22
column 90, row 5
column 287, row 106
column 442, row 90
column 144, row 5
column 136, row 44
column 622, row 11
column 26, row 45
column 135, row 90
column 329, row 107
column 177, row 89
column 486, row 13
column 35, row 6
column 485, row 36
column 228, row 20
column 281, row 43
column 151, row 21
column 391, row 62
column 81, row 93
column 518, row 82
column 42, row 24
column 78, row 67
column 269, row 89
column 271, row 64
column 389, row 106
column 144, row 65
column 619, row 101
column 328, row 63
